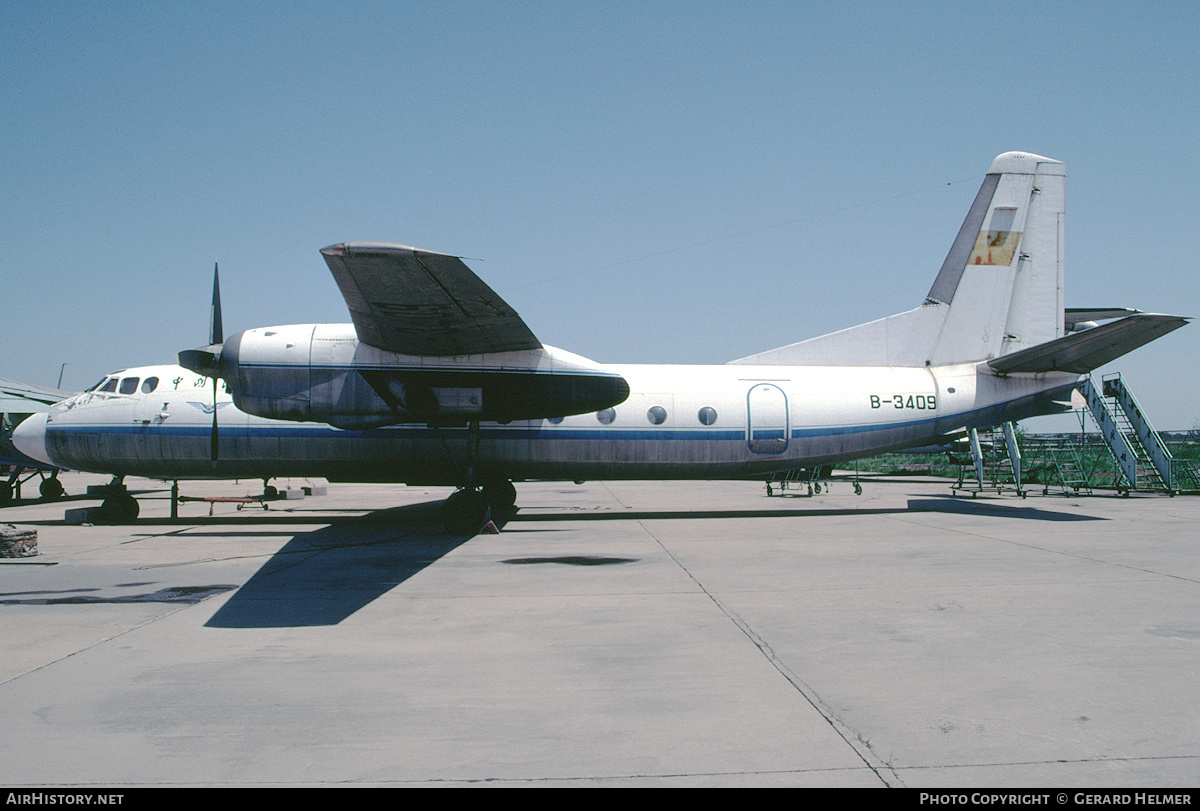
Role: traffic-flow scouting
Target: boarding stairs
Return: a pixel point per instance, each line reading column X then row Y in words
column 1185, row 473
column 1059, row 462
column 1142, row 457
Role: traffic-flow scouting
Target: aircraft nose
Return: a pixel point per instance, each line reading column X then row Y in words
column 30, row 438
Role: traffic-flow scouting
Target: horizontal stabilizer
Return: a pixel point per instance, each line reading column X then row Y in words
column 1081, row 352
column 1075, row 318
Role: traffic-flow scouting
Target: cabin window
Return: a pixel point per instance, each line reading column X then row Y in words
column 707, row 415
column 149, row 385
column 657, row 415
column 110, row 385
column 129, row 385
column 606, row 416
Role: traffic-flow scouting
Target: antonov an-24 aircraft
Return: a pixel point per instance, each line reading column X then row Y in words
column 439, row 382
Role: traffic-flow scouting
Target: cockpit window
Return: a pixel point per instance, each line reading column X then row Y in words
column 109, row 385
column 149, row 385
column 97, row 384
column 129, row 385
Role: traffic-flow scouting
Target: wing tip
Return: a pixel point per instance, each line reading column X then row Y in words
column 362, row 247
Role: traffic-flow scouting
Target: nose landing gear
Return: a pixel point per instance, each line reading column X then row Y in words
column 118, row 507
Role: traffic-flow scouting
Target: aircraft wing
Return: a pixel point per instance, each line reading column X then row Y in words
column 1081, row 352
column 417, row 302
column 24, row 398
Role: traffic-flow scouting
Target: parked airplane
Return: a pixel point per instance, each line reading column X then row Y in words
column 439, row 381
column 17, row 402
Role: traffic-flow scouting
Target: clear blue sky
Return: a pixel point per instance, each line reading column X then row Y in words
column 676, row 182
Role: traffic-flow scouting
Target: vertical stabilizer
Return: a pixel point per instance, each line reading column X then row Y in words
column 999, row 290
column 1002, row 281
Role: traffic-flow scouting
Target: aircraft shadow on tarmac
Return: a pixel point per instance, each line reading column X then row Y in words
column 948, row 504
column 324, row 576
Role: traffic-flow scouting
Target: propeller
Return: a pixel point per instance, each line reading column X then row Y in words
column 207, row 361
column 216, row 338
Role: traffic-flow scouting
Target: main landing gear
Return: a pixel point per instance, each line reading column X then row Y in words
column 468, row 509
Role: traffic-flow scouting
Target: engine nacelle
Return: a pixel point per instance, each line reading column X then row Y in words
column 322, row 373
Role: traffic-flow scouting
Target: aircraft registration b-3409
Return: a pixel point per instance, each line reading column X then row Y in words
column 439, row 382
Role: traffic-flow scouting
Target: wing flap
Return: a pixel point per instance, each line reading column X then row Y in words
column 1081, row 352
column 416, row 302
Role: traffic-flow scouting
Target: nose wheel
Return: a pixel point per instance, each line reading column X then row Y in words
column 119, row 508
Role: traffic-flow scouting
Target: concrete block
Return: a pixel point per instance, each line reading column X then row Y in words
column 17, row 542
column 81, row 515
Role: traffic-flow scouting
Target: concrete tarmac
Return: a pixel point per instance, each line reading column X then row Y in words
column 612, row 634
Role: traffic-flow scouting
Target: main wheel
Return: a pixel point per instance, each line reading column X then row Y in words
column 464, row 512
column 500, row 494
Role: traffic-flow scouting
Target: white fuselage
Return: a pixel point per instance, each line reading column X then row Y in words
column 679, row 422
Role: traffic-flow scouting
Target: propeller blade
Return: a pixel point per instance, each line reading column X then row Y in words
column 216, row 333
column 207, row 360
column 213, row 445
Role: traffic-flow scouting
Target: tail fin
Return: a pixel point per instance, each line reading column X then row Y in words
column 999, row 291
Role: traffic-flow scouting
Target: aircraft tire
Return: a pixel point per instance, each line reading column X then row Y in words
column 500, row 494
column 119, row 509
column 51, row 489
column 464, row 512
column 6, row 492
